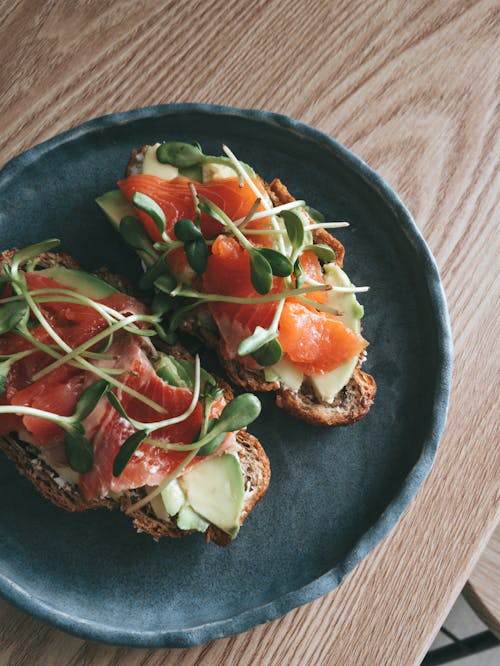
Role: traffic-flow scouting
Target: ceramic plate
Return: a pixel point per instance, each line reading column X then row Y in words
column 335, row 492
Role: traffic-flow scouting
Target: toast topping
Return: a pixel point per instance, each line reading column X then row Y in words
column 256, row 265
column 79, row 375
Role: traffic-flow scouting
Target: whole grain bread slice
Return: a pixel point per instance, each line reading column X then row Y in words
column 31, row 464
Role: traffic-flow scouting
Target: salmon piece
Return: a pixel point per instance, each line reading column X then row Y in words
column 9, row 422
column 174, row 197
column 228, row 274
column 108, row 430
column 312, row 268
column 57, row 392
column 316, row 342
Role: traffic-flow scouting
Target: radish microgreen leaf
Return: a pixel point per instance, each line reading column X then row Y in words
column 151, row 208
column 180, row 154
column 259, row 337
column 89, row 399
column 186, row 230
column 269, row 354
column 12, row 314
column 197, row 255
column 261, row 272
column 127, row 450
column 79, row 451
column 281, row 266
column 323, row 252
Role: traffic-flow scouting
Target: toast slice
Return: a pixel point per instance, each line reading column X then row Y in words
column 66, row 495
column 351, row 403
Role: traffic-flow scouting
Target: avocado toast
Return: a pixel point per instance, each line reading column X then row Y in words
column 96, row 415
column 250, row 271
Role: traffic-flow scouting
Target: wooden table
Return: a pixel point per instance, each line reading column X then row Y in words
column 410, row 87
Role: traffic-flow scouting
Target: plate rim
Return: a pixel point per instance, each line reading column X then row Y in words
column 387, row 521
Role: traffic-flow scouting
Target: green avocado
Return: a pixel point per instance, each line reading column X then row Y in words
column 214, row 489
column 173, row 498
column 84, row 283
column 188, row 519
column 116, row 207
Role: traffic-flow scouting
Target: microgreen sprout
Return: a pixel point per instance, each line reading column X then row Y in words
column 264, row 262
column 252, row 216
column 147, row 205
column 194, row 244
column 242, row 300
column 134, row 234
column 263, row 344
column 186, row 155
column 11, row 315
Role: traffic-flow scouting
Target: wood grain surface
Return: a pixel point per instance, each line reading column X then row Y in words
column 412, row 88
column 482, row 590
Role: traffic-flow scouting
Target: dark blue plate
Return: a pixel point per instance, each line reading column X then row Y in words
column 335, row 492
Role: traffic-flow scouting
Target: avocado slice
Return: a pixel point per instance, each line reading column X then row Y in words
column 116, row 207
column 190, row 520
column 152, row 166
column 84, row 283
column 173, row 498
column 214, row 489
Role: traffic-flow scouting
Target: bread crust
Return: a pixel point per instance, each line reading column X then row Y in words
column 280, row 195
column 54, row 488
column 65, row 495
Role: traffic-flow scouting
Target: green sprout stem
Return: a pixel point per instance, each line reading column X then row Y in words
column 327, row 225
column 255, row 190
column 190, row 293
column 228, row 223
column 262, row 214
column 320, row 306
column 39, row 315
column 77, row 351
column 262, row 232
column 63, row 421
column 156, row 425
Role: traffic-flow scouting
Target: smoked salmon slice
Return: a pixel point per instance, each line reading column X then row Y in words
column 176, row 201
column 228, row 274
column 108, row 430
column 316, row 341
